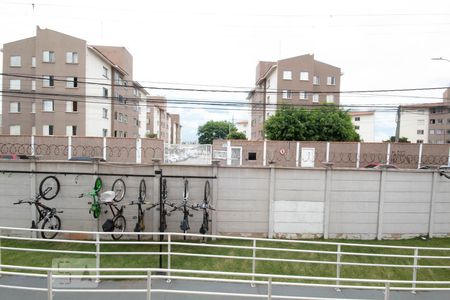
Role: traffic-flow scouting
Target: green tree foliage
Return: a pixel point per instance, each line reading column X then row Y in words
column 151, row 135
column 400, row 140
column 325, row 123
column 236, row 135
column 214, row 130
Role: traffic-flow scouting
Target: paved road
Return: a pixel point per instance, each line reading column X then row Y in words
column 7, row 294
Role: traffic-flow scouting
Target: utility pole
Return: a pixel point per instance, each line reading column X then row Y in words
column 397, row 130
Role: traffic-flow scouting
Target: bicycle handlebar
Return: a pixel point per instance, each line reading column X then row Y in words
column 22, row 202
column 442, row 173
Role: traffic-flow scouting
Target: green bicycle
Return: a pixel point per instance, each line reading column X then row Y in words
column 95, row 204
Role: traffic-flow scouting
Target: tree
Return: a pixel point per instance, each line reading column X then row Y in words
column 402, row 139
column 214, row 130
column 325, row 123
column 151, row 135
column 236, row 135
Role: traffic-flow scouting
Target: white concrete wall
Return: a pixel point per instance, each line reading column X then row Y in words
column 253, row 201
column 95, row 123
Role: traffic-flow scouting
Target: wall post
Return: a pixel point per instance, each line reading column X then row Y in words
column 228, row 153
column 271, row 200
column 69, row 147
column 215, row 196
column 104, row 148
column 434, row 184
column 297, row 154
column 381, row 193
column 265, row 153
column 156, row 194
column 327, row 200
column 33, row 192
column 419, row 161
column 358, row 155
column 138, row 150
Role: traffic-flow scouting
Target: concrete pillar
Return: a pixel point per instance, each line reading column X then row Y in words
column 327, row 159
column 327, row 199
column 381, row 193
column 272, row 185
column 104, row 148
column 297, row 154
column 155, row 197
column 434, row 185
column 388, row 156
column 138, row 150
column 228, row 153
column 358, row 155
column 419, row 162
column 33, row 192
column 265, row 153
column 215, row 196
column 69, row 147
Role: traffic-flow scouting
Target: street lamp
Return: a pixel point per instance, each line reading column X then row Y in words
column 440, row 58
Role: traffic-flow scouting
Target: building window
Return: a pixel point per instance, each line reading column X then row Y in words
column 71, row 106
column 439, row 131
column 356, row 127
column 315, row 98
column 33, row 107
column 48, row 56
column 14, row 107
column 304, row 76
column 431, row 131
column 125, row 118
column 115, row 133
column 72, row 82
column 357, row 119
column 105, row 113
column 14, row 84
column 105, row 92
column 48, row 106
column 33, row 61
column 105, row 72
column 71, row 130
column 120, row 117
column 33, row 85
column 118, row 79
column 47, row 130
column 125, row 134
column 287, row 94
column 439, row 121
column 432, row 121
column 33, row 130
column 48, row 80
column 331, row 80
column 303, row 95
column 420, row 131
column 252, row 156
column 316, row 80
column 419, row 142
column 72, row 57
column 104, row 132
column 15, row 61
column 287, row 75
column 14, row 129
column 330, row 98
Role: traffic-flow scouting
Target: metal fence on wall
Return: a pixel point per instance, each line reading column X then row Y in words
column 192, row 154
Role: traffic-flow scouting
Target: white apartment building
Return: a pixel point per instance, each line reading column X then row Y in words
column 364, row 123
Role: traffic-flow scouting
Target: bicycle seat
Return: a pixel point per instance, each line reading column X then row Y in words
column 107, row 197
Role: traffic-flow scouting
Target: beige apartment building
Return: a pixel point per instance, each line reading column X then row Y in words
column 364, row 124
column 56, row 84
column 299, row 80
column 164, row 125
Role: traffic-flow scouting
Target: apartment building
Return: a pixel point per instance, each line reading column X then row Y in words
column 160, row 122
column 364, row 123
column 243, row 126
column 299, row 80
column 56, row 84
column 427, row 122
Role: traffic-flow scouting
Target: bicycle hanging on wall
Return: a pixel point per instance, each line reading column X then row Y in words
column 48, row 189
column 206, row 207
column 184, row 207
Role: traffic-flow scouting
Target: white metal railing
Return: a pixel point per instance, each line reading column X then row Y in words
column 169, row 241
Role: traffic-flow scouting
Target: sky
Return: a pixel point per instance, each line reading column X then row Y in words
column 216, row 45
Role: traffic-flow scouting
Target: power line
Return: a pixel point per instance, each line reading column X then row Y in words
column 273, row 91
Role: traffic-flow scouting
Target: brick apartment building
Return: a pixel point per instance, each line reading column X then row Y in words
column 426, row 122
column 162, row 124
column 300, row 80
column 57, row 84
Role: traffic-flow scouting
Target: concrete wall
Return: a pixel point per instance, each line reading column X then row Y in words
column 251, row 201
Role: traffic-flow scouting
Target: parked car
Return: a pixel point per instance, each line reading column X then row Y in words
column 13, row 156
column 379, row 166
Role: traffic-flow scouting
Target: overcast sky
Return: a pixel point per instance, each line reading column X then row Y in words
column 209, row 44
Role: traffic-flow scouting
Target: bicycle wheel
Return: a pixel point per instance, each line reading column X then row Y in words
column 207, row 192
column 164, row 188
column 98, row 184
column 142, row 190
column 186, row 189
column 52, row 223
column 119, row 188
column 120, row 226
column 49, row 187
